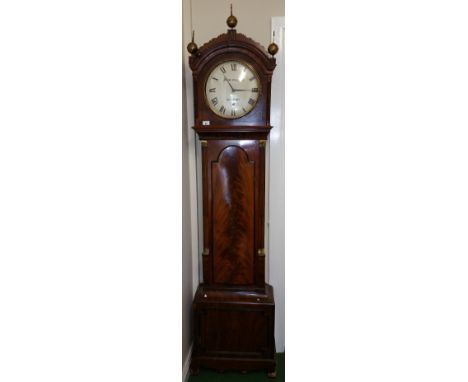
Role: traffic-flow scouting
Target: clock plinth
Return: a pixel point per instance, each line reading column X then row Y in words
column 235, row 327
column 233, row 309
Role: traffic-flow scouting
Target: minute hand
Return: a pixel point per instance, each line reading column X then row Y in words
column 242, row 90
column 229, row 83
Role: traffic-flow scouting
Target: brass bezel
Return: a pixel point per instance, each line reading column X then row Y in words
column 252, row 69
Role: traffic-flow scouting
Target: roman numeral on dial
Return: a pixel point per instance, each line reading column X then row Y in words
column 233, row 113
column 212, row 90
column 233, row 67
column 222, row 109
column 222, row 69
column 214, row 101
column 254, row 90
column 251, row 101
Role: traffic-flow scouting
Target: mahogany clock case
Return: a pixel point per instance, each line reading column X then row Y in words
column 233, row 309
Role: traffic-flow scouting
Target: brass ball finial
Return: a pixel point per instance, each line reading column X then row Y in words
column 192, row 47
column 231, row 20
column 273, row 48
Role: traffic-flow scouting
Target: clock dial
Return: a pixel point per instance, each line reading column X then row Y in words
column 232, row 89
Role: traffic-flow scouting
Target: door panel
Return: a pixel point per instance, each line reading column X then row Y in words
column 233, row 185
column 235, row 331
column 233, row 213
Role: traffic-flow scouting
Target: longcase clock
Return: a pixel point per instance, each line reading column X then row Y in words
column 233, row 308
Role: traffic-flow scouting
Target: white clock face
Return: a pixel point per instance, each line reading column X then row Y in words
column 232, row 89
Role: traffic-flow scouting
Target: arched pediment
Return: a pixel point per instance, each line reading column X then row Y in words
column 232, row 42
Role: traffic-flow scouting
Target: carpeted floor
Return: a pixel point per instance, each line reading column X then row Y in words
column 229, row 376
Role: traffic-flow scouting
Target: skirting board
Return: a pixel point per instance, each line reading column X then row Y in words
column 186, row 367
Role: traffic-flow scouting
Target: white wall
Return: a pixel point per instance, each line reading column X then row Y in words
column 187, row 287
column 186, row 252
column 253, row 16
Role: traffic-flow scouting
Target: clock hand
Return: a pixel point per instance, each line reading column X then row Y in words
column 225, row 79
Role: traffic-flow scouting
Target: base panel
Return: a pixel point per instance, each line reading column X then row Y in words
column 234, row 329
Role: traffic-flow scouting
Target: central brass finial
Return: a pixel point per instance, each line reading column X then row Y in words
column 231, row 20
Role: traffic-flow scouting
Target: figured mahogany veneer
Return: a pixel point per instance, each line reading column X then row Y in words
column 233, row 216
column 233, row 212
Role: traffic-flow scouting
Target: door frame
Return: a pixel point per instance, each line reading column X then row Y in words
column 275, row 185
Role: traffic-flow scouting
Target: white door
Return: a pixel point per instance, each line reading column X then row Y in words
column 275, row 188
